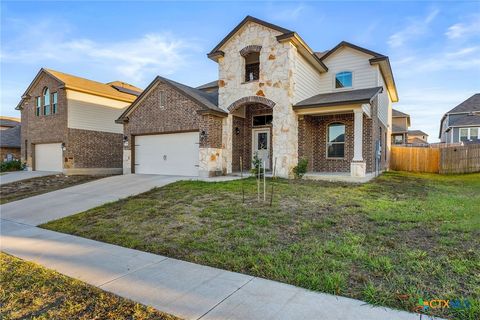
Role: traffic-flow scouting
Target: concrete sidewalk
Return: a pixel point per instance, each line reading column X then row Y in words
column 14, row 176
column 184, row 289
column 65, row 202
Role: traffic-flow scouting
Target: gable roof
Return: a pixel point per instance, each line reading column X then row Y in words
column 107, row 90
column 339, row 98
column 9, row 121
column 240, row 25
column 472, row 104
column 207, row 100
column 377, row 59
column 209, row 85
column 417, row 133
column 10, row 138
column 286, row 35
column 399, row 114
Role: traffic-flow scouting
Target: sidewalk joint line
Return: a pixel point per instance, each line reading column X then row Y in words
column 208, row 311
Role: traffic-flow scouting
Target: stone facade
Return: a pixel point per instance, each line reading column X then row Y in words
column 86, row 152
column 275, row 84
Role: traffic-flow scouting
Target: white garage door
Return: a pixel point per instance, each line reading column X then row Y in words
column 169, row 154
column 48, row 157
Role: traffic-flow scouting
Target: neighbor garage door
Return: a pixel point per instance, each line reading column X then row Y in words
column 169, row 154
column 48, row 157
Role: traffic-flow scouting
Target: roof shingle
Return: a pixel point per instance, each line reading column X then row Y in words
column 10, row 138
column 339, row 98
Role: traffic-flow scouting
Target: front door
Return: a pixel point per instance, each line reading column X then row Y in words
column 261, row 146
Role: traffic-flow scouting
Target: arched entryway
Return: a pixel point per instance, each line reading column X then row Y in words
column 251, row 131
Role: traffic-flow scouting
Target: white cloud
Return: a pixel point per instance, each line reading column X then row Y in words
column 415, row 28
column 131, row 58
column 286, row 12
column 463, row 30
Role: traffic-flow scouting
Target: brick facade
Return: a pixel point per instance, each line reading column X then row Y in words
column 43, row 129
column 212, row 126
column 242, row 142
column 15, row 152
column 85, row 149
column 312, row 139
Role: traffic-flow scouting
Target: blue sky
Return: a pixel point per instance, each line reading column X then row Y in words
column 434, row 47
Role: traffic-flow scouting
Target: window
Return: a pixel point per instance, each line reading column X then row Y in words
column 336, row 140
column 46, row 101
column 38, row 106
column 161, row 99
column 252, row 66
column 398, row 139
column 54, row 102
column 264, row 120
column 469, row 134
column 343, row 79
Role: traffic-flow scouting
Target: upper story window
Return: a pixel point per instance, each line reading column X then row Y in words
column 469, row 134
column 54, row 102
column 336, row 140
column 46, row 101
column 252, row 66
column 343, row 79
column 38, row 106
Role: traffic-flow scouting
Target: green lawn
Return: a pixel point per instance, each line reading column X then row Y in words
column 390, row 242
column 29, row 291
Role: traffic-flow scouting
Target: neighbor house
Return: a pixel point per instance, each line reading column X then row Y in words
column 417, row 137
column 462, row 123
column 276, row 98
column 400, row 125
column 9, row 138
column 68, row 123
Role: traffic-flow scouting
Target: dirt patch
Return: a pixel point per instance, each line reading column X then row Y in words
column 31, row 187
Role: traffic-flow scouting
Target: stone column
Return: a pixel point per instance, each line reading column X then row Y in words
column 358, row 165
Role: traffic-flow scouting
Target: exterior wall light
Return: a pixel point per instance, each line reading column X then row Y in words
column 63, row 146
column 125, row 141
column 237, row 131
column 203, row 136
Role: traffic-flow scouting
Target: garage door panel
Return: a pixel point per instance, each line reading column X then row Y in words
column 48, row 157
column 169, row 154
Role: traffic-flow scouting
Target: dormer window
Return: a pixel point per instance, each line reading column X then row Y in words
column 343, row 79
column 252, row 66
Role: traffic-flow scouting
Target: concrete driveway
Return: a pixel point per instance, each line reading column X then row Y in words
column 65, row 202
column 23, row 175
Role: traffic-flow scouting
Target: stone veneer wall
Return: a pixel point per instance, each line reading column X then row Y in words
column 277, row 61
column 42, row 129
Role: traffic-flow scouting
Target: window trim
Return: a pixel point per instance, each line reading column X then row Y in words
column 469, row 133
column 328, row 142
column 54, row 102
column 343, row 88
column 46, row 93
column 245, row 66
column 38, row 106
column 262, row 115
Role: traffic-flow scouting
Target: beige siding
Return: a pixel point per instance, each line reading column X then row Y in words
column 347, row 59
column 307, row 79
column 384, row 102
column 89, row 112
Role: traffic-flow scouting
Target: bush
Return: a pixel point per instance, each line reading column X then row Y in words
column 14, row 165
column 300, row 170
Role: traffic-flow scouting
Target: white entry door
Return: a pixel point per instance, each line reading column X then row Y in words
column 49, row 157
column 169, row 154
column 261, row 145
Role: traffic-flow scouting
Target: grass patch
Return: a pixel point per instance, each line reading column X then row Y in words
column 31, row 187
column 393, row 241
column 29, row 291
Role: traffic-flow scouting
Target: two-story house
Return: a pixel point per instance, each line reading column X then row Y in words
column 68, row 123
column 462, row 123
column 275, row 98
column 400, row 125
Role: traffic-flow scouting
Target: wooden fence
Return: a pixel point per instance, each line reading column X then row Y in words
column 452, row 159
column 415, row 159
column 460, row 159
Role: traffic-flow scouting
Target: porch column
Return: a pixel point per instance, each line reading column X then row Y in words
column 358, row 165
